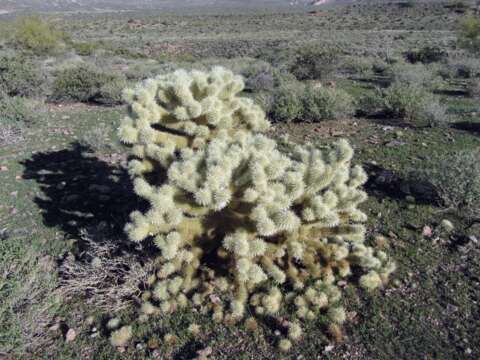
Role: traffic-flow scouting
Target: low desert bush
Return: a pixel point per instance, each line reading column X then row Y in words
column 86, row 83
column 412, row 74
column 315, row 63
column 37, row 35
column 469, row 33
column 434, row 113
column 265, row 99
column 465, row 67
column 287, row 103
column 473, row 89
column 18, row 76
column 320, row 103
column 85, row 48
column 261, row 81
column 404, row 100
column 426, row 55
column 15, row 110
column 355, row 65
column 380, row 67
column 456, row 178
column 311, row 103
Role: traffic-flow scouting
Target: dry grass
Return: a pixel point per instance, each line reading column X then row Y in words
column 107, row 281
column 10, row 135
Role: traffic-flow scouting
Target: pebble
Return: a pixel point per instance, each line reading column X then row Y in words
column 410, row 199
column 71, row 335
column 473, row 239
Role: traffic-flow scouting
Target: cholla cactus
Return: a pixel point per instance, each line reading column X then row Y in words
column 238, row 217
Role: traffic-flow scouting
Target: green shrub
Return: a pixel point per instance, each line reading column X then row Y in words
column 14, row 110
column 110, row 93
column 287, row 103
column 465, row 68
column 18, row 76
column 473, row 89
column 355, row 65
column 85, row 83
column 315, row 63
column 380, row 67
column 265, row 99
column 85, row 48
column 34, row 34
column 456, row 178
column 320, row 103
column 434, row 113
column 426, row 55
column 412, row 74
column 371, row 103
column 469, row 33
column 404, row 100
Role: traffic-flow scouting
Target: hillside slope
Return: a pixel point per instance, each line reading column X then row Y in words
column 98, row 5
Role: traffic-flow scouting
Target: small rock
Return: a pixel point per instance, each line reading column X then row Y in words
column 204, row 353
column 71, row 335
column 121, row 349
column 392, row 235
column 328, row 348
column 446, row 225
column 394, row 143
column 90, row 321
column 139, row 346
column 3, row 168
column 427, row 231
column 473, row 239
column 44, row 172
column 54, row 327
column 410, row 198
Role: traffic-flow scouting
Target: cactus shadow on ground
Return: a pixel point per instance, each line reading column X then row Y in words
column 473, row 127
column 80, row 191
column 384, row 182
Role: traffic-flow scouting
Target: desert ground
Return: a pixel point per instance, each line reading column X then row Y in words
column 402, row 85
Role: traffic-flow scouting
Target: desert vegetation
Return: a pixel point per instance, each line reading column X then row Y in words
column 294, row 182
